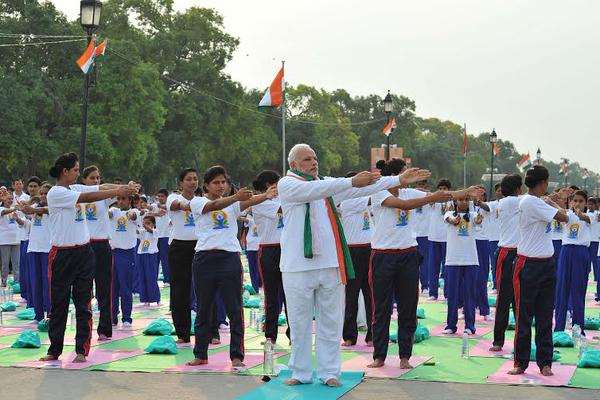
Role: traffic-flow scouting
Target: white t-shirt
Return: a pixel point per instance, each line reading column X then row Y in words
column 9, row 228
column 216, row 230
column 184, row 226
column 356, row 220
column 421, row 219
column 268, row 218
column 39, row 237
column 123, row 231
column 536, row 239
column 493, row 221
column 162, row 223
column 508, row 215
column 68, row 226
column 556, row 229
column 148, row 242
column 23, row 197
column 96, row 214
column 394, row 228
column 437, row 226
column 595, row 228
column 481, row 230
column 25, row 229
column 461, row 248
column 577, row 232
column 252, row 237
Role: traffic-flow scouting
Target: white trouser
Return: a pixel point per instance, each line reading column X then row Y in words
column 319, row 291
column 361, row 316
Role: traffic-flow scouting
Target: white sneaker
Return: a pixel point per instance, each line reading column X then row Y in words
column 166, row 284
column 448, row 332
column 126, row 325
column 224, row 327
column 461, row 317
column 488, row 318
column 425, row 291
column 431, row 298
column 468, row 331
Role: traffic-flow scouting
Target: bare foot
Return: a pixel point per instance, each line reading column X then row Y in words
column 49, row 357
column 496, row 348
column 347, row 343
column 547, row 371
column 103, row 337
column 370, row 343
column 197, row 361
column 404, row 364
column 79, row 358
column 236, row 362
column 293, row 382
column 181, row 341
column 215, row 341
column 333, row 382
column 516, row 371
column 377, row 363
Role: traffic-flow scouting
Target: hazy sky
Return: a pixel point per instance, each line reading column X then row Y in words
column 529, row 69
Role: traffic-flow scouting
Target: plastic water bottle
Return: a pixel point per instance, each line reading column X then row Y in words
column 577, row 336
column 465, row 346
column 2, row 295
column 251, row 320
column 1, row 317
column 582, row 348
column 269, row 358
column 72, row 317
column 11, row 293
column 569, row 323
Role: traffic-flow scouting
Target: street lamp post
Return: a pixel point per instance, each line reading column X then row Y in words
column 566, row 164
column 89, row 19
column 538, row 156
column 493, row 140
column 387, row 107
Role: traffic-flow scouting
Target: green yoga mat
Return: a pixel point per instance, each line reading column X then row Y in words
column 277, row 389
column 147, row 362
column 9, row 357
column 586, row 378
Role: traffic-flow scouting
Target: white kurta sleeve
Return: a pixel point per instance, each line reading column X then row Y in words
column 296, row 191
column 386, row 182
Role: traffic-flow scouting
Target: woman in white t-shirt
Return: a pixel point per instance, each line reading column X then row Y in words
column 535, row 272
column 394, row 265
column 148, row 262
column 252, row 240
column 462, row 264
column 217, row 264
column 574, row 264
column 437, row 241
column 10, row 220
column 71, row 260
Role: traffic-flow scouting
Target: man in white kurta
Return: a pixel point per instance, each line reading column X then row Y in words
column 313, row 286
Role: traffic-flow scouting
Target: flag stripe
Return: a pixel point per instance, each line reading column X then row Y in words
column 87, row 58
column 274, row 95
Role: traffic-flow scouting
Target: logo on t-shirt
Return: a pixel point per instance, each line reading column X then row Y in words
column 443, row 208
column 254, row 231
column 402, row 217
column 279, row 220
column 37, row 220
column 463, row 228
column 189, row 219
column 419, row 210
column 78, row 213
column 90, row 212
column 122, row 224
column 573, row 231
column 145, row 246
column 549, row 227
column 557, row 227
column 220, row 220
column 12, row 218
column 366, row 221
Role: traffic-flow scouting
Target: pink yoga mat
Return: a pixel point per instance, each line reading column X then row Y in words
column 562, row 375
column 482, row 349
column 359, row 347
column 4, row 346
column 479, row 331
column 96, row 356
column 390, row 370
column 220, row 362
column 70, row 338
column 140, row 323
column 593, row 304
column 4, row 331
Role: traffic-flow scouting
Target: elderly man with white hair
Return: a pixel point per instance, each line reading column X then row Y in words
column 315, row 260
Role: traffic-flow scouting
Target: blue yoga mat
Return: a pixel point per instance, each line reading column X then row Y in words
column 277, row 389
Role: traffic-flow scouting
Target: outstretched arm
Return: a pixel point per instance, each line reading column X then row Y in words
column 394, row 202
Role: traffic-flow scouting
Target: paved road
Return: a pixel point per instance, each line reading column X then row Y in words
column 24, row 384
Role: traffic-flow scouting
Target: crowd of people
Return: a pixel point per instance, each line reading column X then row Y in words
column 314, row 245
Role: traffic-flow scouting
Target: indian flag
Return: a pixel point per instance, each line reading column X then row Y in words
column 274, row 95
column 87, row 58
column 390, row 127
column 101, row 51
column 524, row 162
column 496, row 149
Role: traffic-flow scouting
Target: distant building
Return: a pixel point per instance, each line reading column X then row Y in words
column 378, row 153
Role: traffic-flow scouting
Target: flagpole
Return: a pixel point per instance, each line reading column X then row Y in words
column 283, row 123
column 84, row 107
column 465, row 160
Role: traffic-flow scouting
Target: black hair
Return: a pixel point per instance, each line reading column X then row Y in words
column 34, row 179
column 350, row 174
column 593, row 200
column 163, row 191
column 117, row 178
column 393, row 166
column 88, row 170
column 144, row 198
column 583, row 194
column 496, row 186
column 574, row 187
column 466, row 217
column 151, row 218
column 444, row 182
column 536, row 175
column 66, row 161
column 213, row 172
column 510, row 184
column 264, row 179
column 13, row 180
column 184, row 173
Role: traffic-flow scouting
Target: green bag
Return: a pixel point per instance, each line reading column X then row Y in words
column 27, row 340
column 43, row 325
column 562, row 339
column 420, row 313
column 492, row 301
column 162, row 345
column 26, row 314
column 589, row 359
column 192, row 329
column 421, row 333
column 11, row 282
column 16, row 288
column 251, row 303
column 394, row 337
column 161, row 277
column 555, row 355
column 159, row 326
column 282, row 320
column 250, row 289
column 593, row 324
column 8, row 306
